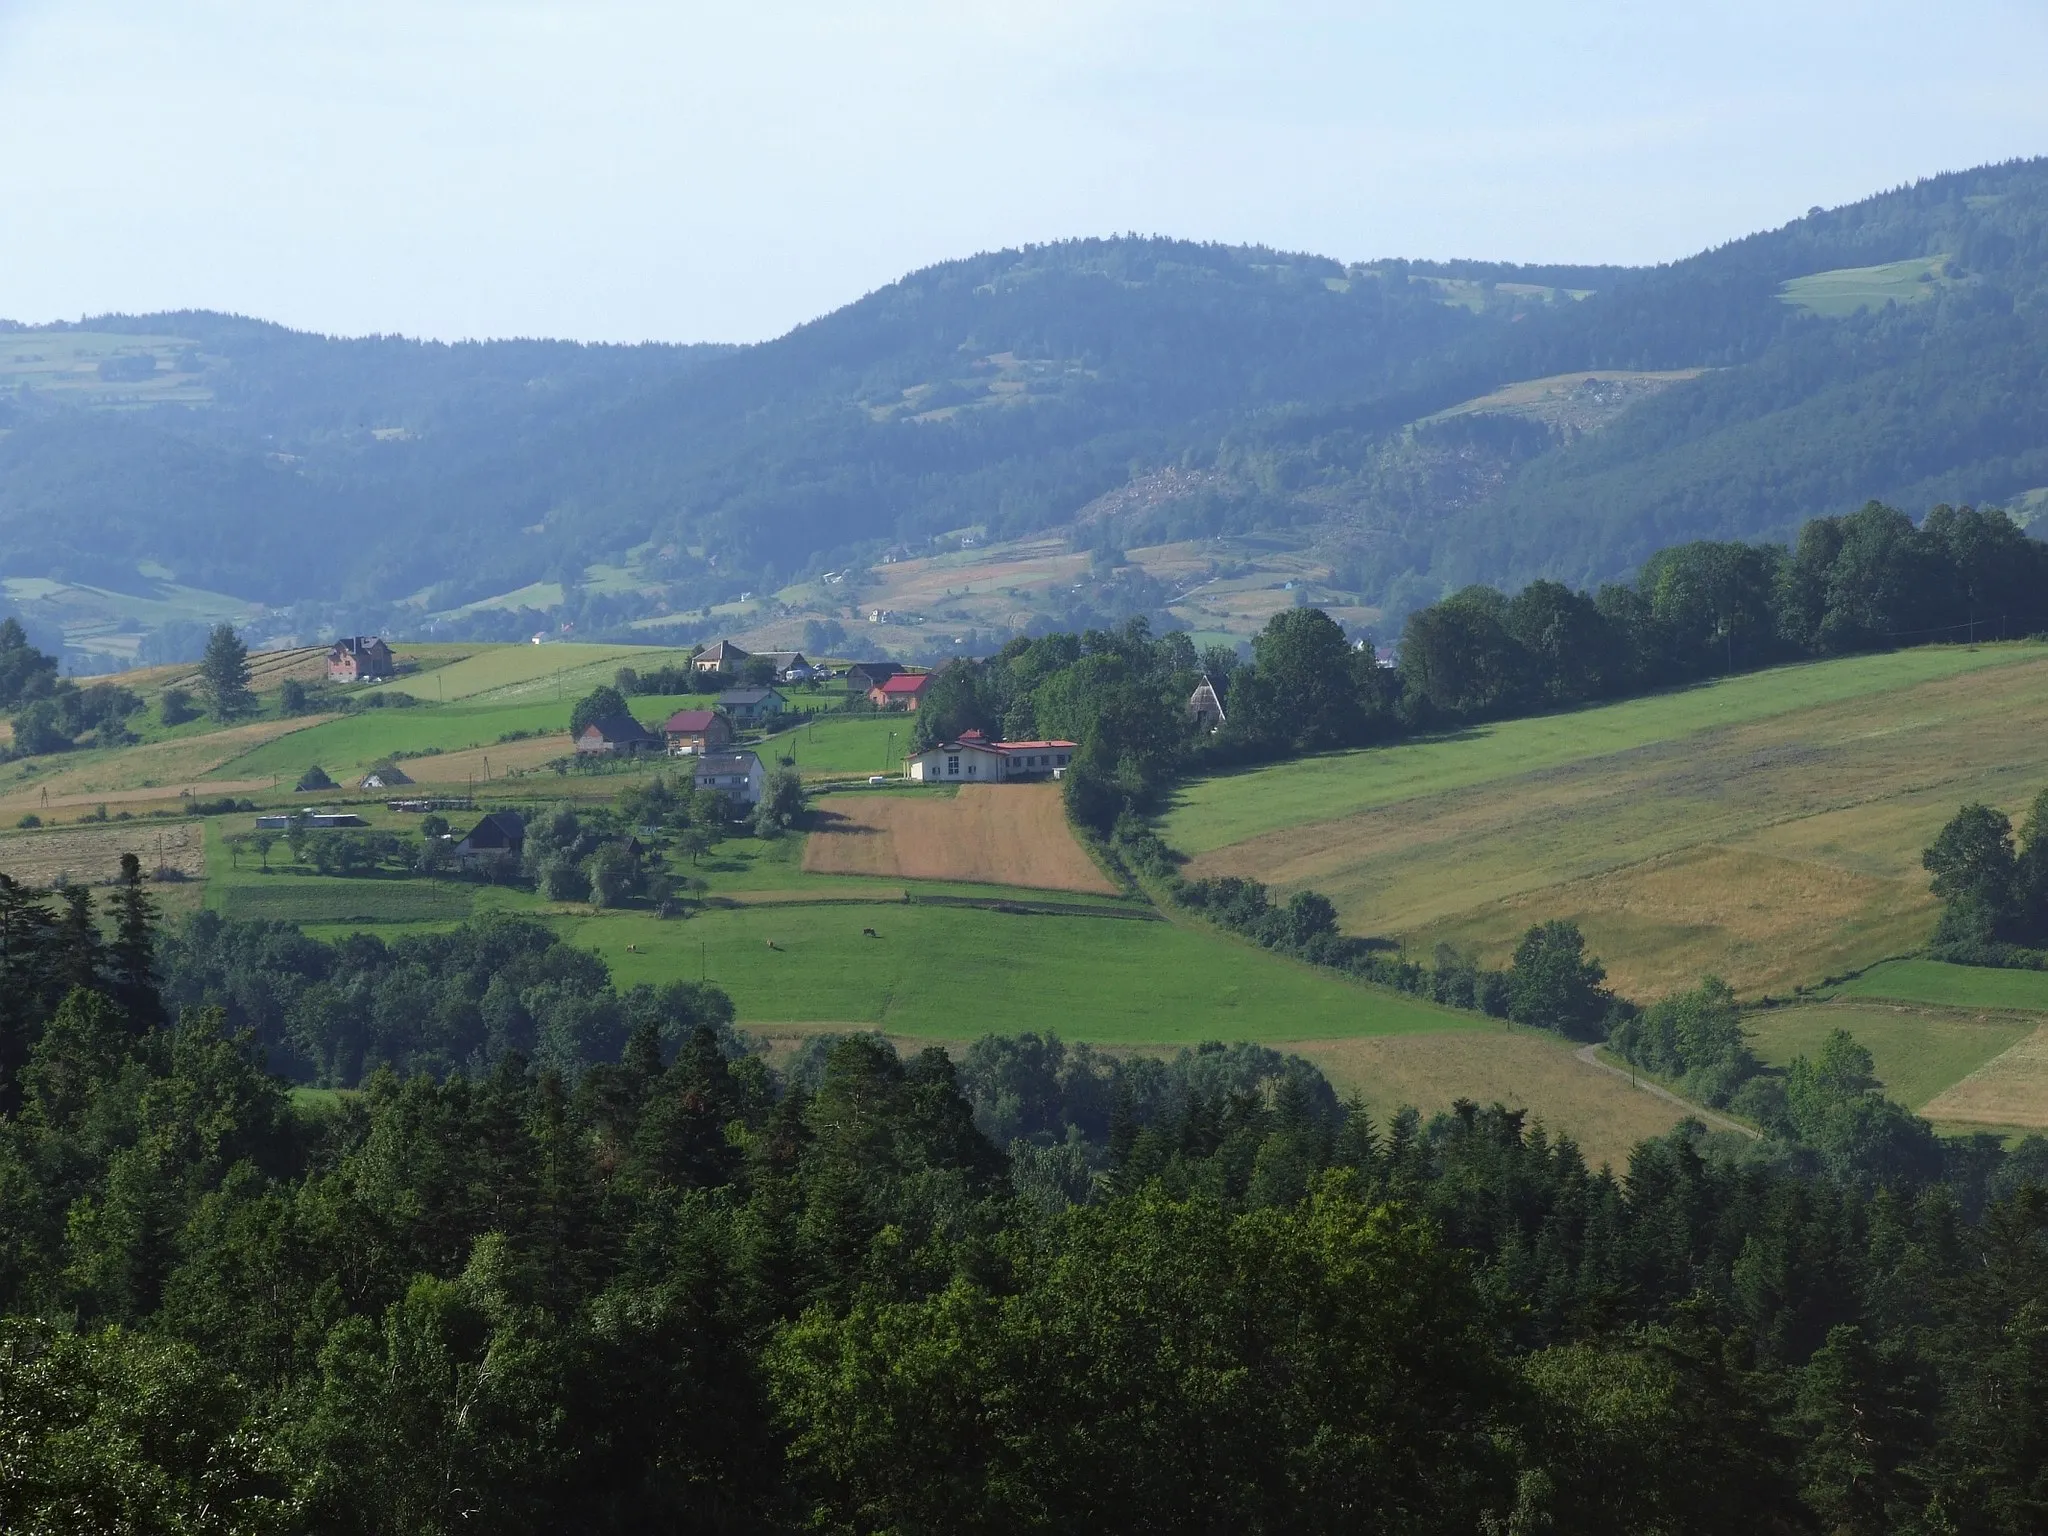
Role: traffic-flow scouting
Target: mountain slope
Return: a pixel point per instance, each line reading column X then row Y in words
column 1154, row 389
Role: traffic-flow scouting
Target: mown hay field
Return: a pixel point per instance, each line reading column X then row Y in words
column 512, row 673
column 994, row 834
column 1768, row 828
column 1521, row 1069
column 92, row 855
column 2009, row 1092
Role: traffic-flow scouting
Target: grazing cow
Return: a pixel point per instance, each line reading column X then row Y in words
column 773, row 945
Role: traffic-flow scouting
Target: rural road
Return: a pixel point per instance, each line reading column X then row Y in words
column 1590, row 1055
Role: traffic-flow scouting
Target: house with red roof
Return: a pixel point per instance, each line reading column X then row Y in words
column 903, row 691
column 694, row 732
column 974, row 759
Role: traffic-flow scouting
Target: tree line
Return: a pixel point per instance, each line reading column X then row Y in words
column 1039, row 1289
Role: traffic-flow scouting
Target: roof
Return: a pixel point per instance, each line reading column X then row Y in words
column 904, row 682
column 618, row 728
column 727, row 762
column 685, row 722
column 974, row 741
column 499, row 829
column 747, row 695
column 784, row 660
column 1036, row 746
column 355, row 644
column 875, row 670
column 723, row 650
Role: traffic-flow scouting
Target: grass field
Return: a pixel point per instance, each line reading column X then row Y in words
column 156, row 771
column 962, row 972
column 1522, row 1069
column 295, row 898
column 1955, row 986
column 1919, row 1051
column 996, row 834
column 2008, row 1093
column 529, row 673
column 843, row 746
column 1767, row 827
column 1848, row 289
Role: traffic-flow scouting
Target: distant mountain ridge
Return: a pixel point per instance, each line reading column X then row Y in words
column 1175, row 390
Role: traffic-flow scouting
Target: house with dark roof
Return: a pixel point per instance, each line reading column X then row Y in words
column 867, row 675
column 617, row 735
column 736, row 775
column 790, row 666
column 499, row 838
column 359, row 659
column 903, row 691
column 751, row 706
column 724, row 656
column 972, row 758
column 693, row 732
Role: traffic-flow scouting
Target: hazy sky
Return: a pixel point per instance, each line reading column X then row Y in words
column 619, row 170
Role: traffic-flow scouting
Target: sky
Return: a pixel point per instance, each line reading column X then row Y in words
column 624, row 171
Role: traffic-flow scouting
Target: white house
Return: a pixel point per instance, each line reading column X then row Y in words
column 975, row 759
column 738, row 775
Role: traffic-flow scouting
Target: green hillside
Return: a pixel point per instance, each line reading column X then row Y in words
column 1364, row 418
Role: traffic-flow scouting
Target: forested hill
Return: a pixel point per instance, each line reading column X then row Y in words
column 1134, row 390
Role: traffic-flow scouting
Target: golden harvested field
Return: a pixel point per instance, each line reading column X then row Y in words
column 1522, row 1069
column 992, row 834
column 92, row 855
column 159, row 771
column 2010, row 1091
column 1773, row 850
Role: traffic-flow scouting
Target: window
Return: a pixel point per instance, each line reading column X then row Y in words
column 1063, row 758
column 953, row 766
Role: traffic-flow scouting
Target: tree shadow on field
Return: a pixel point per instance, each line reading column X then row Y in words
column 839, row 822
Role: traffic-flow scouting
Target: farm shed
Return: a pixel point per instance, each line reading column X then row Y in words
column 1205, row 706
column 500, row 835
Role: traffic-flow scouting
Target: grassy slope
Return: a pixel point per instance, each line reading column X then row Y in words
column 1919, row 1051
column 1956, row 986
column 1229, row 808
column 1768, row 827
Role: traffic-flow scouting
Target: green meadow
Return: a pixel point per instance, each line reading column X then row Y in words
column 1952, row 986
column 961, row 972
column 1917, row 1051
column 842, row 746
column 1228, row 808
column 1848, row 289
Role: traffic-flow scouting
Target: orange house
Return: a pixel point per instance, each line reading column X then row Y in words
column 903, row 691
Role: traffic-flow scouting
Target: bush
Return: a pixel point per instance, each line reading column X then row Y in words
column 30, row 820
column 176, row 707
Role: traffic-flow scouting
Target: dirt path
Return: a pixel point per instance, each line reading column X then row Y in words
column 1590, row 1055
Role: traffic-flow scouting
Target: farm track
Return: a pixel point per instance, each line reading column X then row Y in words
column 1590, row 1055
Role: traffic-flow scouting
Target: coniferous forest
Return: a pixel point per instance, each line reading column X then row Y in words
column 1034, row 1289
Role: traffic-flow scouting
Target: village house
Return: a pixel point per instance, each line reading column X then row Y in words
column 721, row 657
column 736, row 775
column 1205, row 706
column 903, row 691
column 693, row 732
column 358, row 659
column 497, row 839
column 618, row 735
column 790, row 666
column 974, row 758
column 750, row 706
column 865, row 676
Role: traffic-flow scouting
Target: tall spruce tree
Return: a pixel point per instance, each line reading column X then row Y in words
column 224, row 674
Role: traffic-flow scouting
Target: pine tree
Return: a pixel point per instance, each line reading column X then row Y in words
column 224, row 674
column 131, row 956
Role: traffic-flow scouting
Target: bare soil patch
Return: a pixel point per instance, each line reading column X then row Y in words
column 92, row 855
column 991, row 834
